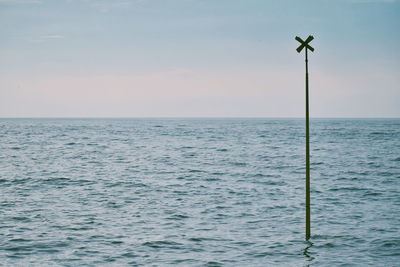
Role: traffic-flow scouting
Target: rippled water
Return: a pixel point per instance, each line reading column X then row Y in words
column 198, row 192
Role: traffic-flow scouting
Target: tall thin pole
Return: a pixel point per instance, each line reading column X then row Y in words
column 308, row 211
column 305, row 44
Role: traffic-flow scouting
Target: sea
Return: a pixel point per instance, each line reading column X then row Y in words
column 198, row 192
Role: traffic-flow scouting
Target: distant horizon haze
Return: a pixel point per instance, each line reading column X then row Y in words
column 207, row 118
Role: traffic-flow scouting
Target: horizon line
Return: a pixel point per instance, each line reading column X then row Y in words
column 190, row 117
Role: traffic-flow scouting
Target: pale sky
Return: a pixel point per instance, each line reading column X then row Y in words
column 198, row 58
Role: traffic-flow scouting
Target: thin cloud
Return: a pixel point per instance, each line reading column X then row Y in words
column 53, row 36
column 106, row 6
column 21, row 1
column 375, row 1
column 48, row 37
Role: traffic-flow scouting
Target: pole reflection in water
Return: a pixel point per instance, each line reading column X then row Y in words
column 307, row 255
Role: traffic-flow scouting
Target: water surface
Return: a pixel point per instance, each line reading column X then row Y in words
column 198, row 192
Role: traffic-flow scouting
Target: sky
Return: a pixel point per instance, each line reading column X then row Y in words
column 198, row 58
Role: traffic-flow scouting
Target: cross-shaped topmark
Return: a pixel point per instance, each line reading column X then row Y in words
column 305, row 43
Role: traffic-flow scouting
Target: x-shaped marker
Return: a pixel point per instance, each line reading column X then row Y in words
column 305, row 43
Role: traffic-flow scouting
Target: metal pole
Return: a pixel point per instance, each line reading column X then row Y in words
column 308, row 211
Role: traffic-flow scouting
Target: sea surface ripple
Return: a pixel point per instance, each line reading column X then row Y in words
column 198, row 192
